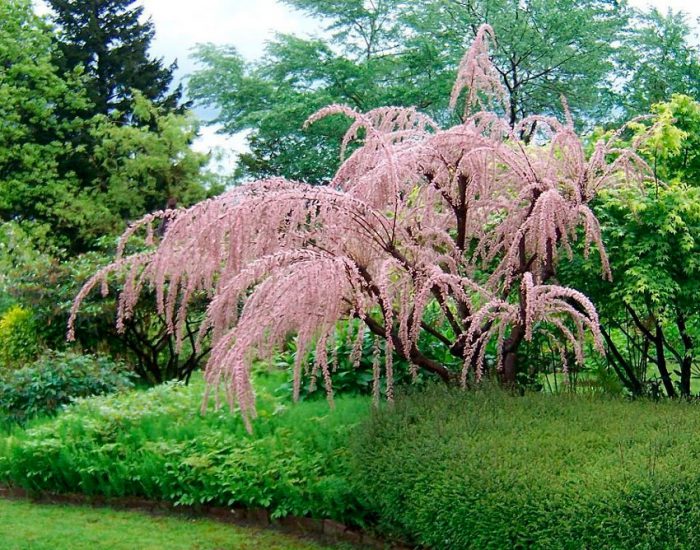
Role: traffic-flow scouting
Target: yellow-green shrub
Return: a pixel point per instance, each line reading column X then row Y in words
column 18, row 338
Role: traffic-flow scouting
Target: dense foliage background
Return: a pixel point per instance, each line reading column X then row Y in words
column 94, row 134
column 90, row 147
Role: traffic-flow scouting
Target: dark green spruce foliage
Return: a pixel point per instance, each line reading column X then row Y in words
column 154, row 444
column 54, row 380
column 448, row 469
column 109, row 40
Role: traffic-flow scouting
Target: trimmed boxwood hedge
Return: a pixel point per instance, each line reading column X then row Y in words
column 452, row 469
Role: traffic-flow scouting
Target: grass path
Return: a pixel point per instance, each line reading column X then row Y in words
column 24, row 525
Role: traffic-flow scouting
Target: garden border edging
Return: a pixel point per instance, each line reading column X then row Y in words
column 323, row 529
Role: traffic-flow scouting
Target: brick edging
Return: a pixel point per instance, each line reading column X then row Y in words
column 323, row 529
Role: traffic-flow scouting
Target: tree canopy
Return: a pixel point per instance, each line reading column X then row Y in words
column 659, row 58
column 649, row 314
column 393, row 52
column 37, row 185
column 71, row 177
column 108, row 39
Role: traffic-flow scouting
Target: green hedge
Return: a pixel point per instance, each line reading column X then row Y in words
column 155, row 444
column 448, row 469
column 443, row 469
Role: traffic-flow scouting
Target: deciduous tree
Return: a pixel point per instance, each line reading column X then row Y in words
column 545, row 48
column 393, row 52
column 38, row 117
column 658, row 59
column 471, row 220
column 649, row 312
column 71, row 177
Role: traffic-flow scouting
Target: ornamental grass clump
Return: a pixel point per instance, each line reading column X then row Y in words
column 472, row 220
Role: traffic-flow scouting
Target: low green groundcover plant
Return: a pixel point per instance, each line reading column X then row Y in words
column 53, row 380
column 156, row 445
column 449, row 469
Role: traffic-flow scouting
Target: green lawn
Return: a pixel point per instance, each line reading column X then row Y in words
column 25, row 525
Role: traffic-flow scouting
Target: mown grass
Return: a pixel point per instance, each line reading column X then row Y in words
column 29, row 526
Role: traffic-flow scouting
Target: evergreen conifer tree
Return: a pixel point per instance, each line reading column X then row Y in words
column 111, row 41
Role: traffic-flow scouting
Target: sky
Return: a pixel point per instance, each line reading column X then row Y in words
column 247, row 25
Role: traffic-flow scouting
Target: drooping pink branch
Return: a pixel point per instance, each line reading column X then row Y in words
column 470, row 222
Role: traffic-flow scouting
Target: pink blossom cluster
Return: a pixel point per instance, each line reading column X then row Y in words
column 472, row 220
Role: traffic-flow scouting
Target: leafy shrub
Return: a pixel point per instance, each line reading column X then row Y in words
column 349, row 378
column 151, row 444
column 18, row 339
column 448, row 469
column 47, row 285
column 54, row 380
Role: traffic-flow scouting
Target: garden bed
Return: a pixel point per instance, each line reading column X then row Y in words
column 440, row 468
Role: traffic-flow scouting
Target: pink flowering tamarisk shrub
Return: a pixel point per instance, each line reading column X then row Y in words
column 471, row 220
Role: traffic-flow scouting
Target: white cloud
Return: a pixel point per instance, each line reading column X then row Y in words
column 224, row 149
column 245, row 24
